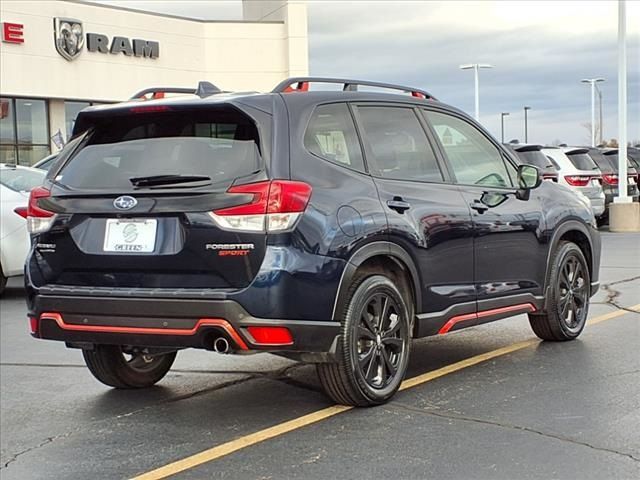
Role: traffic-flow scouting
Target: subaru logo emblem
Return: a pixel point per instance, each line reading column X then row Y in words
column 125, row 202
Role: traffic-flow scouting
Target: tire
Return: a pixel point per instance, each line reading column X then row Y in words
column 372, row 356
column 3, row 282
column 567, row 305
column 110, row 366
column 602, row 220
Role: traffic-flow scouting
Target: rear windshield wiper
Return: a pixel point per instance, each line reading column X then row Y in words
column 166, row 180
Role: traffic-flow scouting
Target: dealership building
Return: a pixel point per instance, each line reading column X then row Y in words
column 58, row 57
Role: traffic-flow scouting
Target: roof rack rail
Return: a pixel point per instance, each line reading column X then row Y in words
column 204, row 89
column 348, row 85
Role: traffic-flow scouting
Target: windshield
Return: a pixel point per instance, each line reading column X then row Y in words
column 221, row 144
column 20, row 179
column 534, row 157
column 582, row 161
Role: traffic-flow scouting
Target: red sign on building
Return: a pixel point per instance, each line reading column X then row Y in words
column 12, row 32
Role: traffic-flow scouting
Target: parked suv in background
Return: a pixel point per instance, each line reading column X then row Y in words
column 578, row 172
column 611, row 154
column 530, row 154
column 326, row 226
column 608, row 166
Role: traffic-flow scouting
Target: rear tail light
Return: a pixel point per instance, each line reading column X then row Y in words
column 577, row 180
column 22, row 211
column 550, row 176
column 275, row 206
column 610, row 179
column 39, row 220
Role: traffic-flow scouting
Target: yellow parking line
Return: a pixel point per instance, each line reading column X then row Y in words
column 314, row 417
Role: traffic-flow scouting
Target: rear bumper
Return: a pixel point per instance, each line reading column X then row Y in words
column 167, row 323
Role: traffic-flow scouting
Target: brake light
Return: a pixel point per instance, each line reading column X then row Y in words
column 39, row 220
column 577, row 180
column 22, row 211
column 610, row 179
column 550, row 176
column 276, row 206
column 150, row 109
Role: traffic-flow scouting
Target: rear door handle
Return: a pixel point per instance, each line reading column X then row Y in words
column 479, row 207
column 398, row 204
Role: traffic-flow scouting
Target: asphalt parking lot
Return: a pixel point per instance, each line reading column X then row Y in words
column 487, row 402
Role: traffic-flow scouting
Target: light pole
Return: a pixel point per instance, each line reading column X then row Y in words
column 593, row 82
column 502, row 115
column 476, row 67
column 526, row 130
column 600, row 126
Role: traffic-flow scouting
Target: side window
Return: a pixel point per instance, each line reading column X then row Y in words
column 399, row 144
column 473, row 158
column 331, row 134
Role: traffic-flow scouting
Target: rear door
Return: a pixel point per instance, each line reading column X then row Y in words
column 146, row 201
column 427, row 216
column 510, row 257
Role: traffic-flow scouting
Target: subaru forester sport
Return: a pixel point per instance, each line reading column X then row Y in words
column 330, row 226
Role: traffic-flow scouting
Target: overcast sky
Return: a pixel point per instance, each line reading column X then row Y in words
column 540, row 50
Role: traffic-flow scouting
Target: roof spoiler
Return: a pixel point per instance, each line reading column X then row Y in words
column 530, row 147
column 576, row 151
column 204, row 89
column 348, row 85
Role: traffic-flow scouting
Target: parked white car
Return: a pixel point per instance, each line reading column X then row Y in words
column 579, row 173
column 15, row 184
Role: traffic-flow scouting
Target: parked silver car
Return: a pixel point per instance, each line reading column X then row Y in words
column 579, row 173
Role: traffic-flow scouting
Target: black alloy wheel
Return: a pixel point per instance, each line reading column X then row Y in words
column 374, row 346
column 378, row 344
column 568, row 293
column 572, row 293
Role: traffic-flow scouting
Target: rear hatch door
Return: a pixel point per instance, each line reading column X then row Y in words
column 134, row 201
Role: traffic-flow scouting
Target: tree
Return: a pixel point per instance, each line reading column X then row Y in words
column 588, row 127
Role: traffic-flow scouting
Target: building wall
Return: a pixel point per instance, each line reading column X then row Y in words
column 241, row 55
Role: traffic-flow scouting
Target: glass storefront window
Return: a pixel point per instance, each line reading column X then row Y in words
column 7, row 121
column 24, row 130
column 71, row 110
column 31, row 119
column 28, row 155
column 8, row 154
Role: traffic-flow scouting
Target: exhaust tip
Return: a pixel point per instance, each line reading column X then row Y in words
column 221, row 345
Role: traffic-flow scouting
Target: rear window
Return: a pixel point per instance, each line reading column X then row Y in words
column 582, row 161
column 21, row 179
column 601, row 161
column 221, row 143
column 613, row 159
column 534, row 157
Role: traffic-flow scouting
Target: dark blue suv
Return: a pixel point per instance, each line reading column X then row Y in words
column 330, row 226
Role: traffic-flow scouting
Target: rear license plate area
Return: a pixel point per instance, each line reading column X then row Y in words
column 130, row 235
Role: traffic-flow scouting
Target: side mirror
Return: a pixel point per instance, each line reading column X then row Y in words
column 529, row 177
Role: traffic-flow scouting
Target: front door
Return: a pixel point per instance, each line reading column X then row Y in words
column 508, row 231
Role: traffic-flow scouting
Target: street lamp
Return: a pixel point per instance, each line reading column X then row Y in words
column 526, row 136
column 593, row 82
column 502, row 115
column 476, row 67
column 600, row 126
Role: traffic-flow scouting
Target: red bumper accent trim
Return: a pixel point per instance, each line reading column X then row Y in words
column 522, row 307
column 203, row 322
